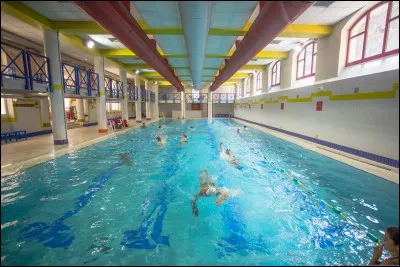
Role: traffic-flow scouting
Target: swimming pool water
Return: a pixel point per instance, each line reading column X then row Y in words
column 88, row 208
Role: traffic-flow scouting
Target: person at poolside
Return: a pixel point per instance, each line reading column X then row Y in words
column 208, row 188
column 161, row 140
column 126, row 158
column 227, row 155
column 391, row 244
column 184, row 138
column 144, row 125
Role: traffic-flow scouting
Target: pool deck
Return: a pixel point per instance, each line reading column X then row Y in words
column 16, row 156
column 378, row 169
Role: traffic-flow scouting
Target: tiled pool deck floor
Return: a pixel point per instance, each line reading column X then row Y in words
column 24, row 154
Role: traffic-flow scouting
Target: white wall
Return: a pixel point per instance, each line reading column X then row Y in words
column 131, row 109
column 367, row 125
column 168, row 108
column 222, row 109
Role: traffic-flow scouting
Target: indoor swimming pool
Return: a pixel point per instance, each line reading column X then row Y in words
column 91, row 207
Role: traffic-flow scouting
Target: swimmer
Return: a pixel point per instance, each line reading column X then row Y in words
column 245, row 127
column 184, row 138
column 191, row 127
column 228, row 155
column 208, row 188
column 126, row 158
column 391, row 244
column 161, row 126
column 144, row 125
column 161, row 140
column 238, row 130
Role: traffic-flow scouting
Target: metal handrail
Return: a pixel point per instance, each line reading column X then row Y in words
column 80, row 80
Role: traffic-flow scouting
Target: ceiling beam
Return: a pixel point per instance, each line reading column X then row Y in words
column 293, row 30
column 129, row 53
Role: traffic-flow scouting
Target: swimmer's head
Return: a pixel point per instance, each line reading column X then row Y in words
column 245, row 126
column 185, row 135
column 228, row 151
column 211, row 191
column 158, row 139
column 159, row 126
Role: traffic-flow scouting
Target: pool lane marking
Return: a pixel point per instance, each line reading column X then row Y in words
column 332, row 207
column 232, row 221
column 138, row 238
column 55, row 234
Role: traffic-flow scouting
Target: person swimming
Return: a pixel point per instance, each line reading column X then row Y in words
column 238, row 130
column 191, row 127
column 144, row 125
column 161, row 126
column 245, row 127
column 208, row 188
column 126, row 158
column 227, row 155
column 184, row 138
column 161, row 140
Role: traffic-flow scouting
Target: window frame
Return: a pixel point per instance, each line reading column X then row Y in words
column 247, row 85
column 274, row 72
column 259, row 81
column 314, row 44
column 366, row 15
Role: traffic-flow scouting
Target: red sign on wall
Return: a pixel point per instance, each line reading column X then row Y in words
column 282, row 106
column 319, row 106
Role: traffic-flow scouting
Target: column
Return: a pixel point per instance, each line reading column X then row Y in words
column 139, row 99
column 80, row 110
column 183, row 107
column 122, row 75
column 156, row 112
column 52, row 51
column 253, row 83
column 148, row 103
column 210, row 103
column 86, row 108
column 101, row 98
column 44, row 110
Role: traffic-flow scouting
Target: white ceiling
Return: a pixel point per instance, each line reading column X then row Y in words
column 58, row 10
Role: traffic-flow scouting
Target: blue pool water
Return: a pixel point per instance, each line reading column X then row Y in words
column 88, row 208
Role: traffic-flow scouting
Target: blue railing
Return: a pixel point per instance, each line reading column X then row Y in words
column 132, row 92
column 169, row 98
column 223, row 98
column 113, row 88
column 79, row 81
column 196, row 98
column 25, row 65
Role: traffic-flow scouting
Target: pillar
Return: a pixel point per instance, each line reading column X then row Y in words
column 156, row 112
column 52, row 51
column 210, row 103
column 148, row 103
column 86, row 107
column 80, row 110
column 122, row 75
column 101, row 98
column 139, row 99
column 44, row 111
column 183, row 106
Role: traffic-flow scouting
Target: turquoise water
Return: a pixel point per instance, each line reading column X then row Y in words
column 87, row 208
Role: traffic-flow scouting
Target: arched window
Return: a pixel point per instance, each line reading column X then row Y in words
column 240, row 89
column 247, row 86
column 375, row 34
column 259, row 81
column 276, row 74
column 306, row 61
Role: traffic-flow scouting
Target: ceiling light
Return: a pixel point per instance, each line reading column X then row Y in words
column 89, row 43
column 137, row 71
column 156, row 82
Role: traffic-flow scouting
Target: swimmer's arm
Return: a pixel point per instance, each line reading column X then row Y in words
column 220, row 147
column 195, row 210
column 224, row 196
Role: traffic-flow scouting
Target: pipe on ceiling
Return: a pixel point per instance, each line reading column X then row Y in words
column 114, row 17
column 196, row 20
column 273, row 18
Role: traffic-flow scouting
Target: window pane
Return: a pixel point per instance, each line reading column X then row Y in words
column 300, row 68
column 314, row 63
column 393, row 36
column 359, row 27
column 3, row 106
column 355, row 48
column 376, row 31
column 273, row 79
column 278, row 74
column 309, row 51
column 301, row 55
column 395, row 9
column 315, row 48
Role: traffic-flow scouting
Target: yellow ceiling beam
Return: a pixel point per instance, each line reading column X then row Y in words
column 229, row 84
column 78, row 27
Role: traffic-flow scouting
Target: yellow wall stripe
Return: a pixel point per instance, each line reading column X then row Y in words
column 57, row 86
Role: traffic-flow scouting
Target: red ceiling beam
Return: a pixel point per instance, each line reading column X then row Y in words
column 114, row 17
column 273, row 18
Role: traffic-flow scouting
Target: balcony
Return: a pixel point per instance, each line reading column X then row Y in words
column 78, row 81
column 169, row 98
column 113, row 88
column 223, row 98
column 24, row 70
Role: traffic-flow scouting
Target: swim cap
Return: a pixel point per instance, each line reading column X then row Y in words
column 211, row 191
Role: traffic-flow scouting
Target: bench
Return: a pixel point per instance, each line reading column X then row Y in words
column 8, row 136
